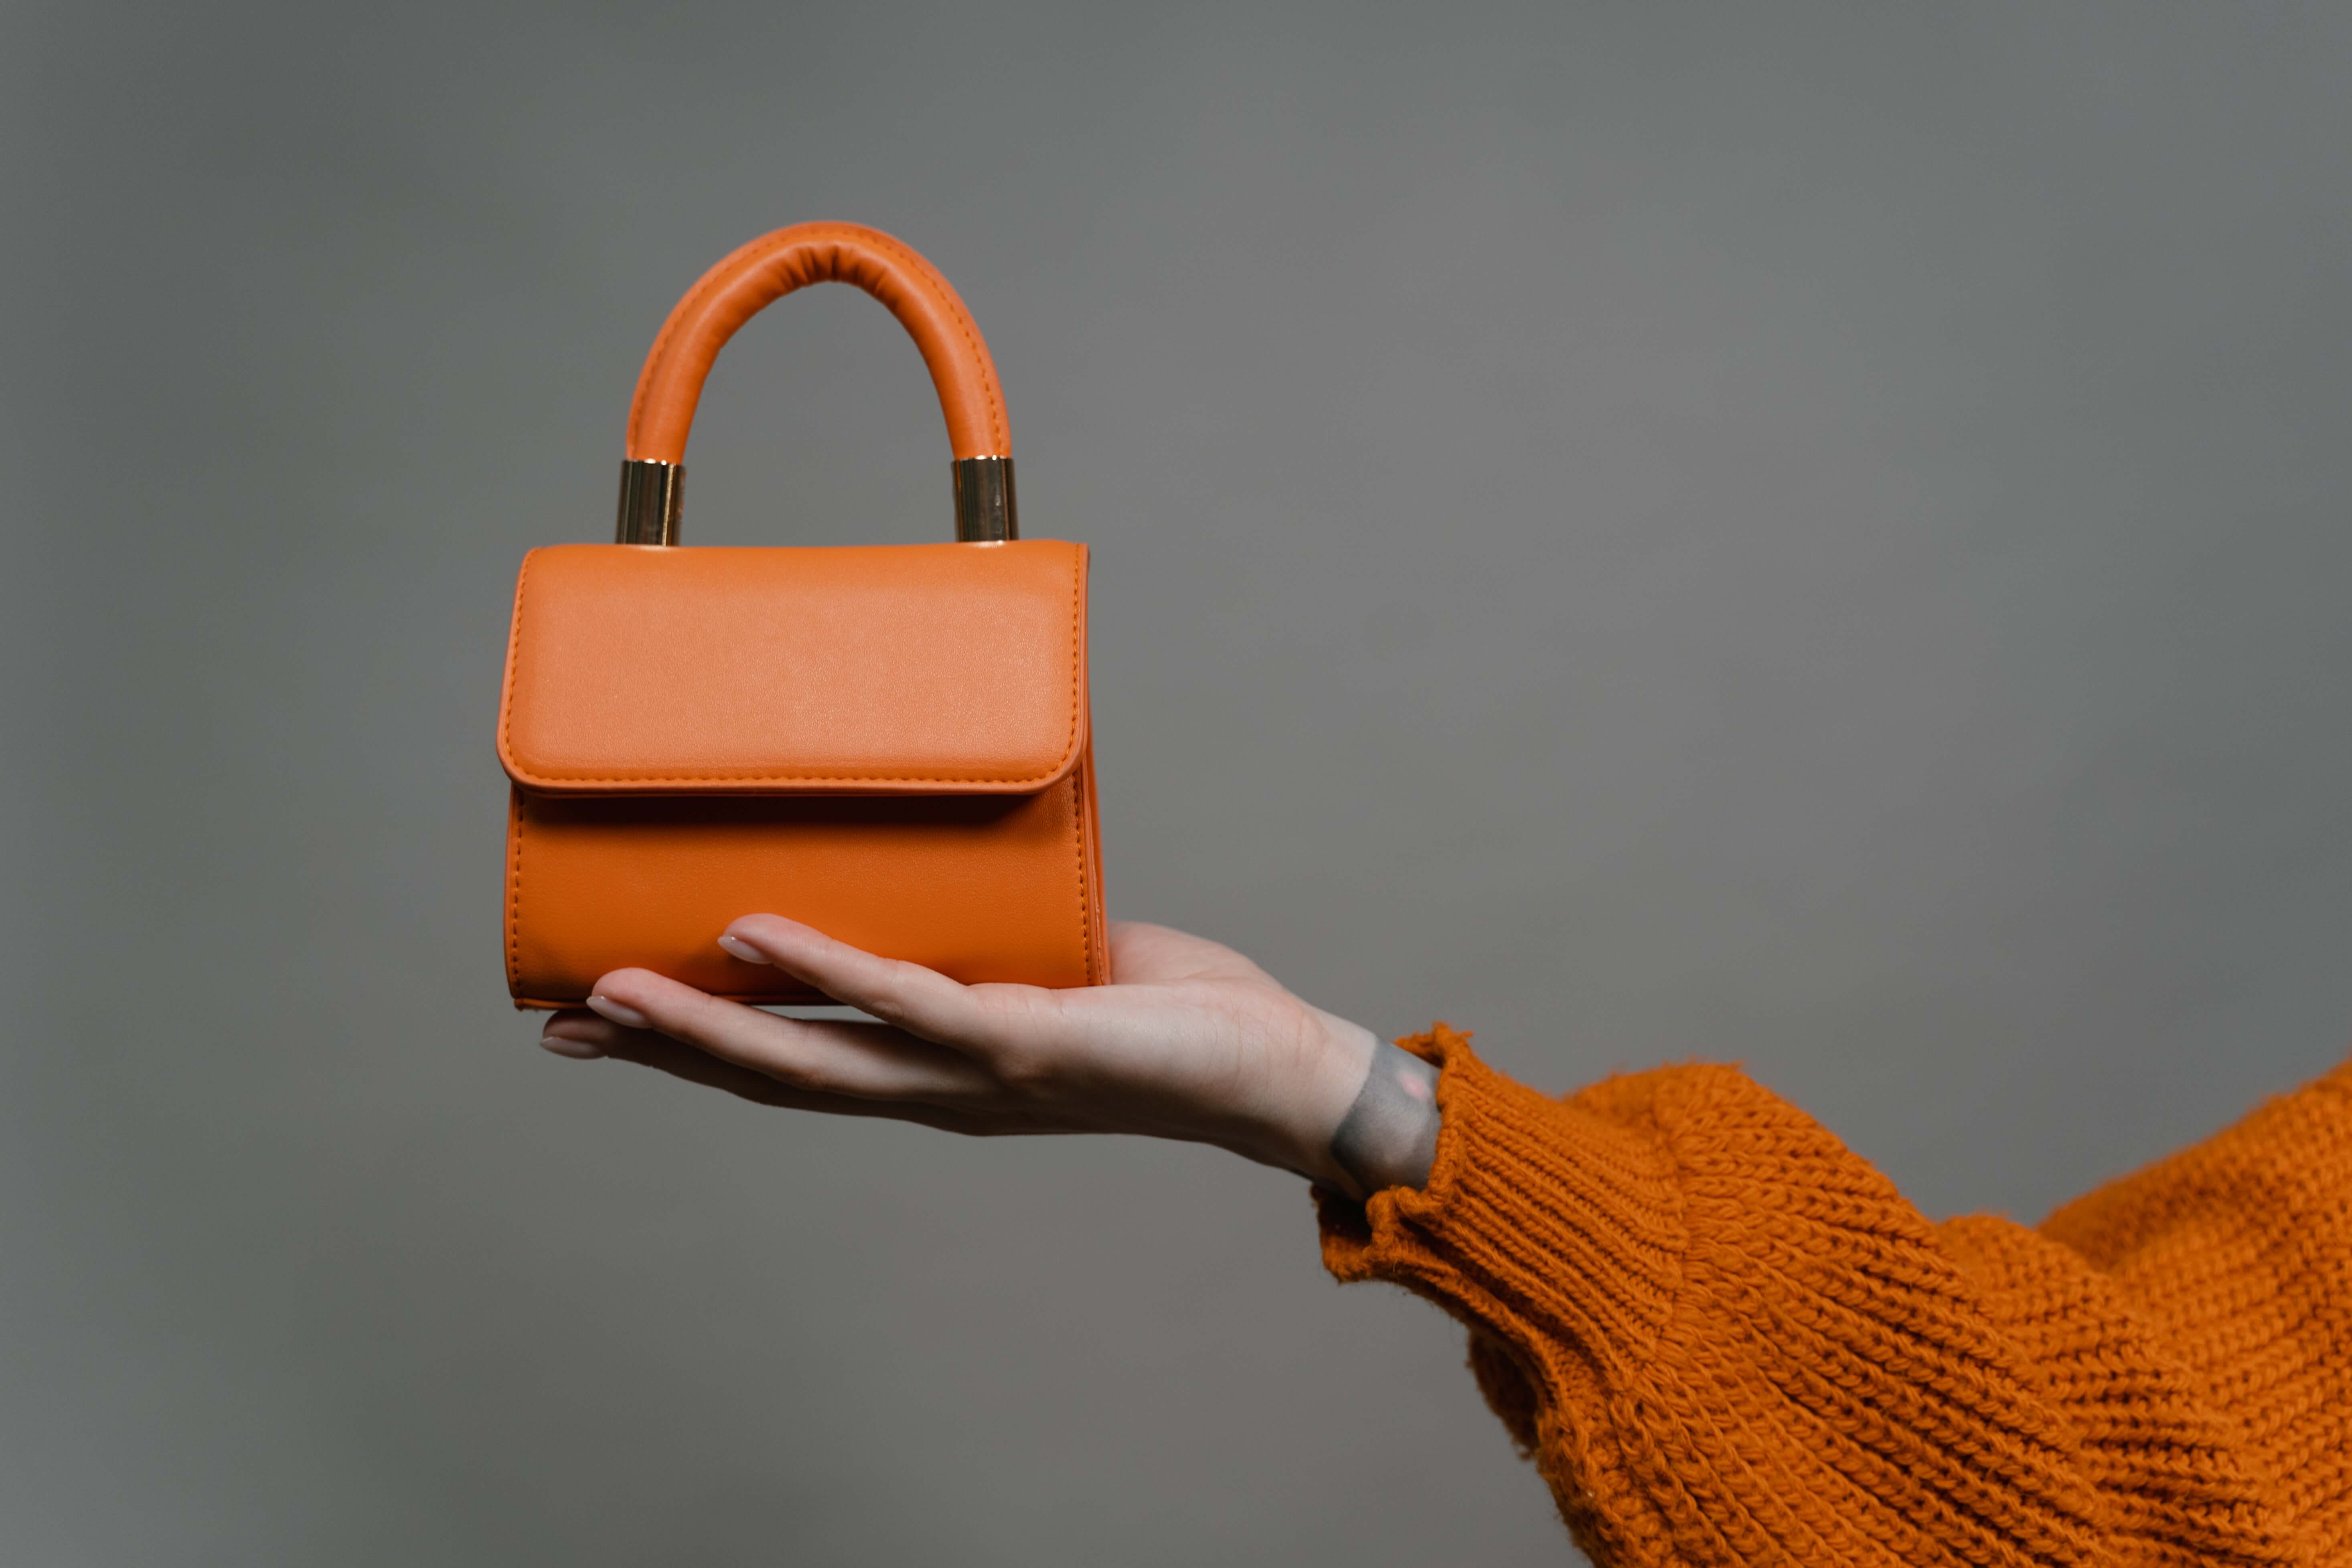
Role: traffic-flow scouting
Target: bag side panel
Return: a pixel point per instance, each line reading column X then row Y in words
column 1097, row 920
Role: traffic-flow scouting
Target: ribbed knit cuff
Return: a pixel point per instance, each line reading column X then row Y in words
column 1723, row 1336
column 1528, row 1194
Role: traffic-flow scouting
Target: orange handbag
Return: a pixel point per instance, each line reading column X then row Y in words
column 888, row 742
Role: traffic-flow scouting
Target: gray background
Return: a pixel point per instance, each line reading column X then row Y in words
column 1811, row 535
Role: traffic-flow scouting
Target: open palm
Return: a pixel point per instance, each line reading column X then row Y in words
column 1191, row 1041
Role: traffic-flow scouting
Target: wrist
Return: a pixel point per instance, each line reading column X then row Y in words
column 1389, row 1136
column 1318, row 1072
column 1366, row 1117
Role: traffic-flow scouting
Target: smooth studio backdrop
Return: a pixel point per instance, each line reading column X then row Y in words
column 1802, row 534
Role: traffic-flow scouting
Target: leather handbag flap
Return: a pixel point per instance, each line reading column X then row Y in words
column 873, row 670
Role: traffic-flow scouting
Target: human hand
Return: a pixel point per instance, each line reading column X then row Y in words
column 1191, row 1041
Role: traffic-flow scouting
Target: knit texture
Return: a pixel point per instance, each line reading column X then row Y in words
column 1726, row 1339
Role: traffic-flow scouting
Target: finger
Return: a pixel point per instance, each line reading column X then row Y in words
column 869, row 1061
column 693, row 1065
column 919, row 1000
column 582, row 1035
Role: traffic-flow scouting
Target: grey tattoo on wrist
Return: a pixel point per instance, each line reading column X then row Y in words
column 1389, row 1137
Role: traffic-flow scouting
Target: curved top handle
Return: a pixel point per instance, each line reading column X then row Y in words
column 756, row 276
column 773, row 266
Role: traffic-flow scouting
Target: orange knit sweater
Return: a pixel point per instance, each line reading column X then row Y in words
column 1727, row 1340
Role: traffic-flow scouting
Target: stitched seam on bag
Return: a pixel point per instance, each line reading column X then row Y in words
column 514, row 897
column 514, row 807
column 678, row 313
column 964, row 324
column 669, row 324
column 1085, row 904
column 506, row 726
column 970, row 329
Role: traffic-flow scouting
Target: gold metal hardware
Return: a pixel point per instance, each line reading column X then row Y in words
column 653, row 501
column 984, row 505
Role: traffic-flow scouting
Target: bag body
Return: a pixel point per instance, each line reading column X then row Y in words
column 889, row 742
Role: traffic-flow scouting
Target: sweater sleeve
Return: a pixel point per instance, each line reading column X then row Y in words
column 1726, row 1339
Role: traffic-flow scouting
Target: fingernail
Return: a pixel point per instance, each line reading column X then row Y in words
column 742, row 949
column 621, row 1013
column 578, row 1050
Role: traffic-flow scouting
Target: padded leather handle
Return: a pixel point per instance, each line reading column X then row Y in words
column 771, row 266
